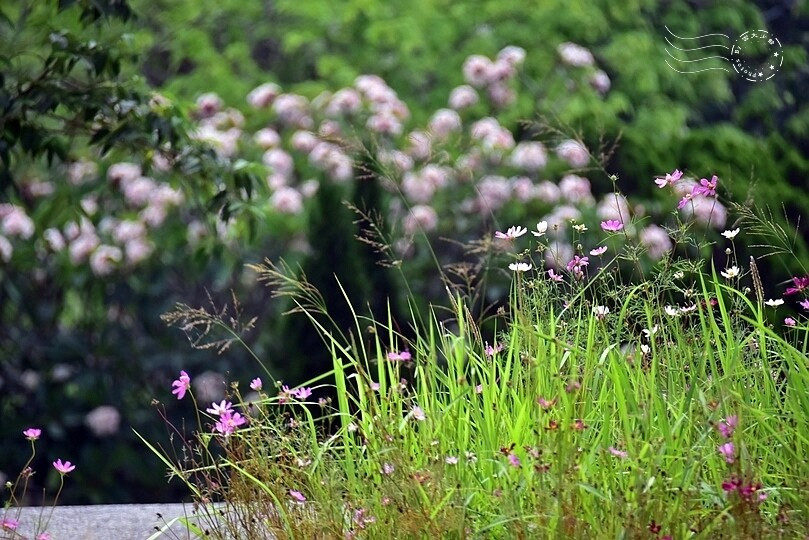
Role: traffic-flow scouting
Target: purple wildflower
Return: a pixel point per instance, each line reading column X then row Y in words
column 800, row 283
column 728, row 451
column 181, row 385
column 706, row 187
column 612, row 225
column 727, row 426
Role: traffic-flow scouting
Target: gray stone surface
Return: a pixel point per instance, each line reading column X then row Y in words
column 103, row 522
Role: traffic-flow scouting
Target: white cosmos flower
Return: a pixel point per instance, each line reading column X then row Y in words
column 730, row 273
column 542, row 227
column 519, row 267
column 601, row 311
column 511, row 233
column 649, row 332
column 730, row 234
column 774, row 302
column 671, row 311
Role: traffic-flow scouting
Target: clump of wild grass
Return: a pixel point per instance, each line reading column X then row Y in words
column 619, row 401
column 636, row 421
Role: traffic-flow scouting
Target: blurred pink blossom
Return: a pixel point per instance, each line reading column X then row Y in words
column 104, row 259
column 15, row 222
column 80, row 171
column 575, row 55
column 574, row 153
column 501, row 95
column 600, row 81
column 303, row 141
column 267, row 138
column 462, row 97
column 493, row 192
column 656, row 240
column 287, row 200
column 444, row 122
column 529, row 156
column 293, row 110
column 477, row 70
column 262, row 96
column 420, row 218
column 576, row 189
column 209, row 104
column 511, row 54
column 279, row 162
column 344, row 101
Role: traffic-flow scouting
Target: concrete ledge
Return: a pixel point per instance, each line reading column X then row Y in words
column 103, row 522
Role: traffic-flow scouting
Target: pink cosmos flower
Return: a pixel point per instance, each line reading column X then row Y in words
column 418, row 413
column 221, row 408
column 375, row 386
column 618, row 453
column 684, row 201
column 727, row 426
column 706, row 187
column 181, row 385
column 598, row 251
column 577, row 262
column 514, row 461
column 8, row 523
column 256, row 384
column 669, row 179
column 44, row 536
column 284, row 394
column 612, row 225
column 554, row 276
column 805, row 304
column 789, row 321
column 228, row 422
column 302, row 393
column 387, row 469
column 403, row 356
column 800, row 283
column 491, row 351
column 32, row 434
column 728, row 451
column 63, row 468
column 297, row 495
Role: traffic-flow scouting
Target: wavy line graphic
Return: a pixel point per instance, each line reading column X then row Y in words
column 686, row 49
column 698, row 37
column 697, row 71
column 697, row 60
column 695, row 49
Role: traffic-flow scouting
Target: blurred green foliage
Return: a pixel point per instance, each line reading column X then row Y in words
column 706, row 122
